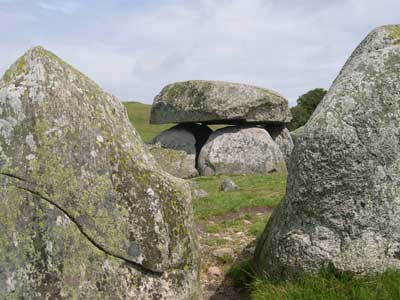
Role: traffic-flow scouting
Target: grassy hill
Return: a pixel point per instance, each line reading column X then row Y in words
column 139, row 115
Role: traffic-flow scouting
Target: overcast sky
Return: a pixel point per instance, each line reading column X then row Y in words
column 134, row 48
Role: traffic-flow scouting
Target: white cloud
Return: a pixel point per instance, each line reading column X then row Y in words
column 66, row 7
column 135, row 49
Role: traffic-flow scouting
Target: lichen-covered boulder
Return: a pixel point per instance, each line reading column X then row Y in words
column 175, row 162
column 85, row 211
column 342, row 206
column 188, row 137
column 281, row 135
column 240, row 150
column 217, row 102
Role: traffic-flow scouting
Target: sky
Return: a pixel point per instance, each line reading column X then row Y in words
column 134, row 48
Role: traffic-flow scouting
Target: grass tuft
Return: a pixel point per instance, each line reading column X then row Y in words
column 330, row 287
column 242, row 274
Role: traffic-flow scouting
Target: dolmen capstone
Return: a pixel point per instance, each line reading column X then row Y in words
column 256, row 142
column 85, row 211
column 341, row 211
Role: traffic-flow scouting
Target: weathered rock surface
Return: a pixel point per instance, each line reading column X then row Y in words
column 175, row 162
column 228, row 185
column 281, row 135
column 295, row 134
column 342, row 207
column 186, row 137
column 240, row 150
column 85, row 212
column 217, row 102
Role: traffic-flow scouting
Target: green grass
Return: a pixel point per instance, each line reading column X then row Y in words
column 325, row 286
column 234, row 225
column 255, row 190
column 242, row 274
column 258, row 227
column 139, row 116
column 329, row 287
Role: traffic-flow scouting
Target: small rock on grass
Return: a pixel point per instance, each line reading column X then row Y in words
column 228, row 185
column 196, row 191
column 223, row 253
column 199, row 193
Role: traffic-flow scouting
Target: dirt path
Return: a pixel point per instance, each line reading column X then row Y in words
column 227, row 240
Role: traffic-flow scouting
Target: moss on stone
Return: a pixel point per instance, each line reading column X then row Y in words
column 18, row 68
column 7, row 76
column 395, row 33
column 175, row 90
column 198, row 93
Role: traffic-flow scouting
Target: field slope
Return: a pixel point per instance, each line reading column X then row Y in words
column 139, row 116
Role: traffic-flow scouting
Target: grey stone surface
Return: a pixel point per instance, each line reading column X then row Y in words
column 175, row 162
column 217, row 102
column 295, row 134
column 228, row 185
column 342, row 207
column 186, row 137
column 85, row 211
column 224, row 253
column 281, row 135
column 240, row 150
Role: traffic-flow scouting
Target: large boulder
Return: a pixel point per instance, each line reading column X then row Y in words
column 188, row 137
column 85, row 211
column 240, row 150
column 175, row 162
column 217, row 102
column 342, row 206
column 281, row 135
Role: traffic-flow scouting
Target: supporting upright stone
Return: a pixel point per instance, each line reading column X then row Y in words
column 240, row 150
column 281, row 135
column 176, row 162
column 188, row 137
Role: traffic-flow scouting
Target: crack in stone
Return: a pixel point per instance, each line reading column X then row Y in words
column 139, row 267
